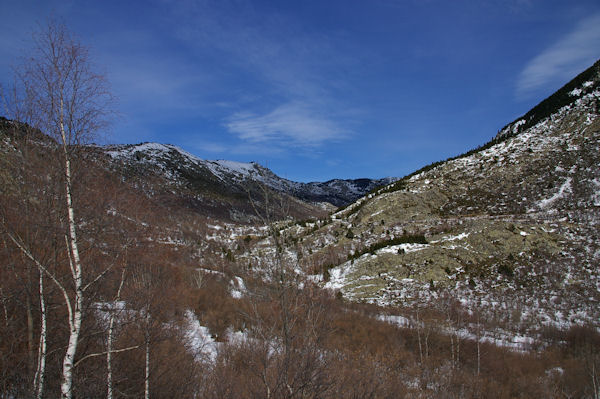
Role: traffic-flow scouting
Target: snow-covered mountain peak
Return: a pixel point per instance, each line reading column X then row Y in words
column 179, row 166
column 156, row 153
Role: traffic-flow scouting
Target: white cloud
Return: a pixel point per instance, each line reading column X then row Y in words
column 293, row 71
column 569, row 56
column 207, row 146
column 294, row 123
column 271, row 48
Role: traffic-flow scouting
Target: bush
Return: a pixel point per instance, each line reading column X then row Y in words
column 505, row 270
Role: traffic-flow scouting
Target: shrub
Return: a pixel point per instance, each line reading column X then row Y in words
column 505, row 270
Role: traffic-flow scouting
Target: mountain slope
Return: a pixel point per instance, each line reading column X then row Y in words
column 227, row 181
column 509, row 230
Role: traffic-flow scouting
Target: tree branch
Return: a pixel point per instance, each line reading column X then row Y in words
column 41, row 267
column 104, row 353
column 97, row 278
column 108, row 268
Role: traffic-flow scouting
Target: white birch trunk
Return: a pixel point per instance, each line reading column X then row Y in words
column 68, row 361
column 109, row 379
column 596, row 391
column 30, row 354
column 40, row 372
column 147, row 370
column 76, row 316
column 68, row 100
column 4, row 308
column 109, row 344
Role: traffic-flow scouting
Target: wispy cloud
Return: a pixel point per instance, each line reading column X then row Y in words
column 292, row 70
column 292, row 124
column 518, row 6
column 264, row 44
column 564, row 59
column 217, row 150
column 207, row 146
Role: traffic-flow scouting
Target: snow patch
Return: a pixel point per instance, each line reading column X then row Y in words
column 516, row 125
column 238, row 288
column 337, row 277
column 460, row 236
column 406, row 247
column 596, row 194
column 565, row 188
column 575, row 92
column 400, row 321
column 199, row 340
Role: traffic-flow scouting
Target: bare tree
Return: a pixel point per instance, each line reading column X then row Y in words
column 58, row 92
column 290, row 363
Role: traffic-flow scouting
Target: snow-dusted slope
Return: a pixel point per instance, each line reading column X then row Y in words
column 164, row 156
column 511, row 228
column 177, row 164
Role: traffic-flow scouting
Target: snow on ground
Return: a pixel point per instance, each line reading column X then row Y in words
column 126, row 151
column 393, row 249
column 238, row 288
column 209, row 271
column 376, row 213
column 460, row 236
column 596, row 195
column 241, row 170
column 200, row 341
column 575, row 92
column 497, row 337
column 337, row 276
column 400, row 321
column 565, row 188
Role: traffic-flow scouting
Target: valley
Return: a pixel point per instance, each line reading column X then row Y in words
column 473, row 277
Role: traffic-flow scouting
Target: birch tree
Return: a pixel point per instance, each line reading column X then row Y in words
column 110, row 338
column 64, row 98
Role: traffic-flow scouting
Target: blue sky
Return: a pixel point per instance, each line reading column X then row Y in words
column 317, row 90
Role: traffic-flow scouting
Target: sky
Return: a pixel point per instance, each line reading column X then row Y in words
column 317, row 90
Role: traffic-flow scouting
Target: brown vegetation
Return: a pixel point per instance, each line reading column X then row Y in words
column 300, row 341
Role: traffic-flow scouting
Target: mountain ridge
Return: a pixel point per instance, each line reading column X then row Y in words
column 567, row 94
column 335, row 191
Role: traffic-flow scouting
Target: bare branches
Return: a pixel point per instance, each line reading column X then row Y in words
column 104, row 353
column 42, row 268
column 57, row 92
column 62, row 93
